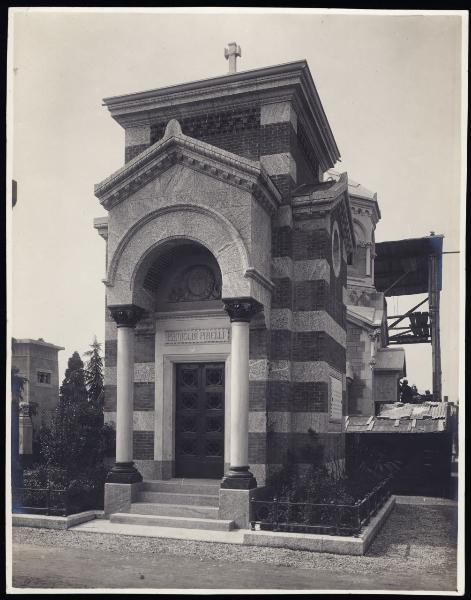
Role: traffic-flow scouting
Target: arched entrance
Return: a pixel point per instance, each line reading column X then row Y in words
column 192, row 360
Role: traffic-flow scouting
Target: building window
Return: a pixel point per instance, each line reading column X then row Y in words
column 44, row 377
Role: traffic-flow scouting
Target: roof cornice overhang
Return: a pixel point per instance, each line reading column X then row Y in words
column 270, row 84
column 323, row 201
column 359, row 319
column 177, row 148
column 360, row 204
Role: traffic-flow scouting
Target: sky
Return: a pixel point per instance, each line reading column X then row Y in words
column 391, row 86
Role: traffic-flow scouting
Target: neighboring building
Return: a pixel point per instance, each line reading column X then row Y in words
column 418, row 437
column 37, row 361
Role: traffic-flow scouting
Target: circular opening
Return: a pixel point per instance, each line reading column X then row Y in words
column 336, row 257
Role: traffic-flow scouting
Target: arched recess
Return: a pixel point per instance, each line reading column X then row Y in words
column 360, row 231
column 171, row 225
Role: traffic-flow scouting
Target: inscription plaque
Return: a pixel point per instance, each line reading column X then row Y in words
column 198, row 336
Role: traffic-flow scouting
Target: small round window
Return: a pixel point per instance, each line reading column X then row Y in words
column 336, row 254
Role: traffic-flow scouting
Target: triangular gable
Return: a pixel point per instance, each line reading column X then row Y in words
column 176, row 147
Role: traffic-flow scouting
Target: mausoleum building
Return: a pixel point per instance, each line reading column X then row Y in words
column 239, row 271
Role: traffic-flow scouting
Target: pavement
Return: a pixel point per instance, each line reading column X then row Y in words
column 415, row 550
column 46, row 567
column 235, row 536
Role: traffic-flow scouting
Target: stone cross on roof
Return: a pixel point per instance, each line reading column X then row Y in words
column 232, row 54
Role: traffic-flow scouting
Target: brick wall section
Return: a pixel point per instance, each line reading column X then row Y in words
column 282, row 241
column 282, row 296
column 234, row 130
column 317, row 346
column 276, row 138
column 144, row 347
column 143, row 445
column 306, row 162
column 144, row 395
column 131, row 152
column 287, row 396
column 278, row 445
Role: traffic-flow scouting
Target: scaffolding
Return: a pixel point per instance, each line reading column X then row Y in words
column 410, row 267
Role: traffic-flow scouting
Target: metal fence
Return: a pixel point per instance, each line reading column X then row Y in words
column 47, row 501
column 330, row 519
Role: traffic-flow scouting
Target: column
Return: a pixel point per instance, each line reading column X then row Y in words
column 240, row 311
column 126, row 317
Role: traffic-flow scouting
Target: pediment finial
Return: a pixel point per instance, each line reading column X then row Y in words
column 173, row 129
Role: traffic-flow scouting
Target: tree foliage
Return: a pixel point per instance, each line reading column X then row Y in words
column 94, row 375
column 78, row 440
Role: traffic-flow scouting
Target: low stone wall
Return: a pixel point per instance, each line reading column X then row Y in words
column 323, row 543
column 53, row 522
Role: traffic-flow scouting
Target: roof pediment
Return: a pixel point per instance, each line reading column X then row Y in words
column 177, row 148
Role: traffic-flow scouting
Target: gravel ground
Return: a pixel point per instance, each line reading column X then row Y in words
column 415, row 539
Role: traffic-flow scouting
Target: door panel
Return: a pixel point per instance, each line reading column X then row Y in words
column 199, row 435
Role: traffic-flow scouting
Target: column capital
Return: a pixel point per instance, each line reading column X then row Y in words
column 241, row 309
column 126, row 315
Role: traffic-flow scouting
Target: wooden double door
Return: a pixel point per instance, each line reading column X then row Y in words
column 199, row 434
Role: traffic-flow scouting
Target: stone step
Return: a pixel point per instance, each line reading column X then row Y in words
column 174, row 510
column 176, row 522
column 179, row 498
column 182, row 486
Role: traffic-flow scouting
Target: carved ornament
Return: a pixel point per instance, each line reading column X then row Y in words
column 197, row 282
column 126, row 315
column 241, row 309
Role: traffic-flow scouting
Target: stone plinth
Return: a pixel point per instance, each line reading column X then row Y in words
column 119, row 496
column 235, row 505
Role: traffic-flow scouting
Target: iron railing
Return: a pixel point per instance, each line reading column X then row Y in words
column 330, row 519
column 46, row 501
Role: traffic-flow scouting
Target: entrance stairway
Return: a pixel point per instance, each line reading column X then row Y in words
column 181, row 503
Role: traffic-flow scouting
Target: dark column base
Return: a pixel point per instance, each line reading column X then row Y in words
column 124, row 473
column 238, row 478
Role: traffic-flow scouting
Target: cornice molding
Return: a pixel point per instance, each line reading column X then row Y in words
column 276, row 82
column 177, row 148
column 364, row 206
column 198, row 314
column 259, row 278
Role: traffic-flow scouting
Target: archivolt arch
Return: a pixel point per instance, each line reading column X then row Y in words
column 185, row 222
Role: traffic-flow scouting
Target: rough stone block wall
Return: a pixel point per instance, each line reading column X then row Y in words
column 143, row 391
column 360, row 400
